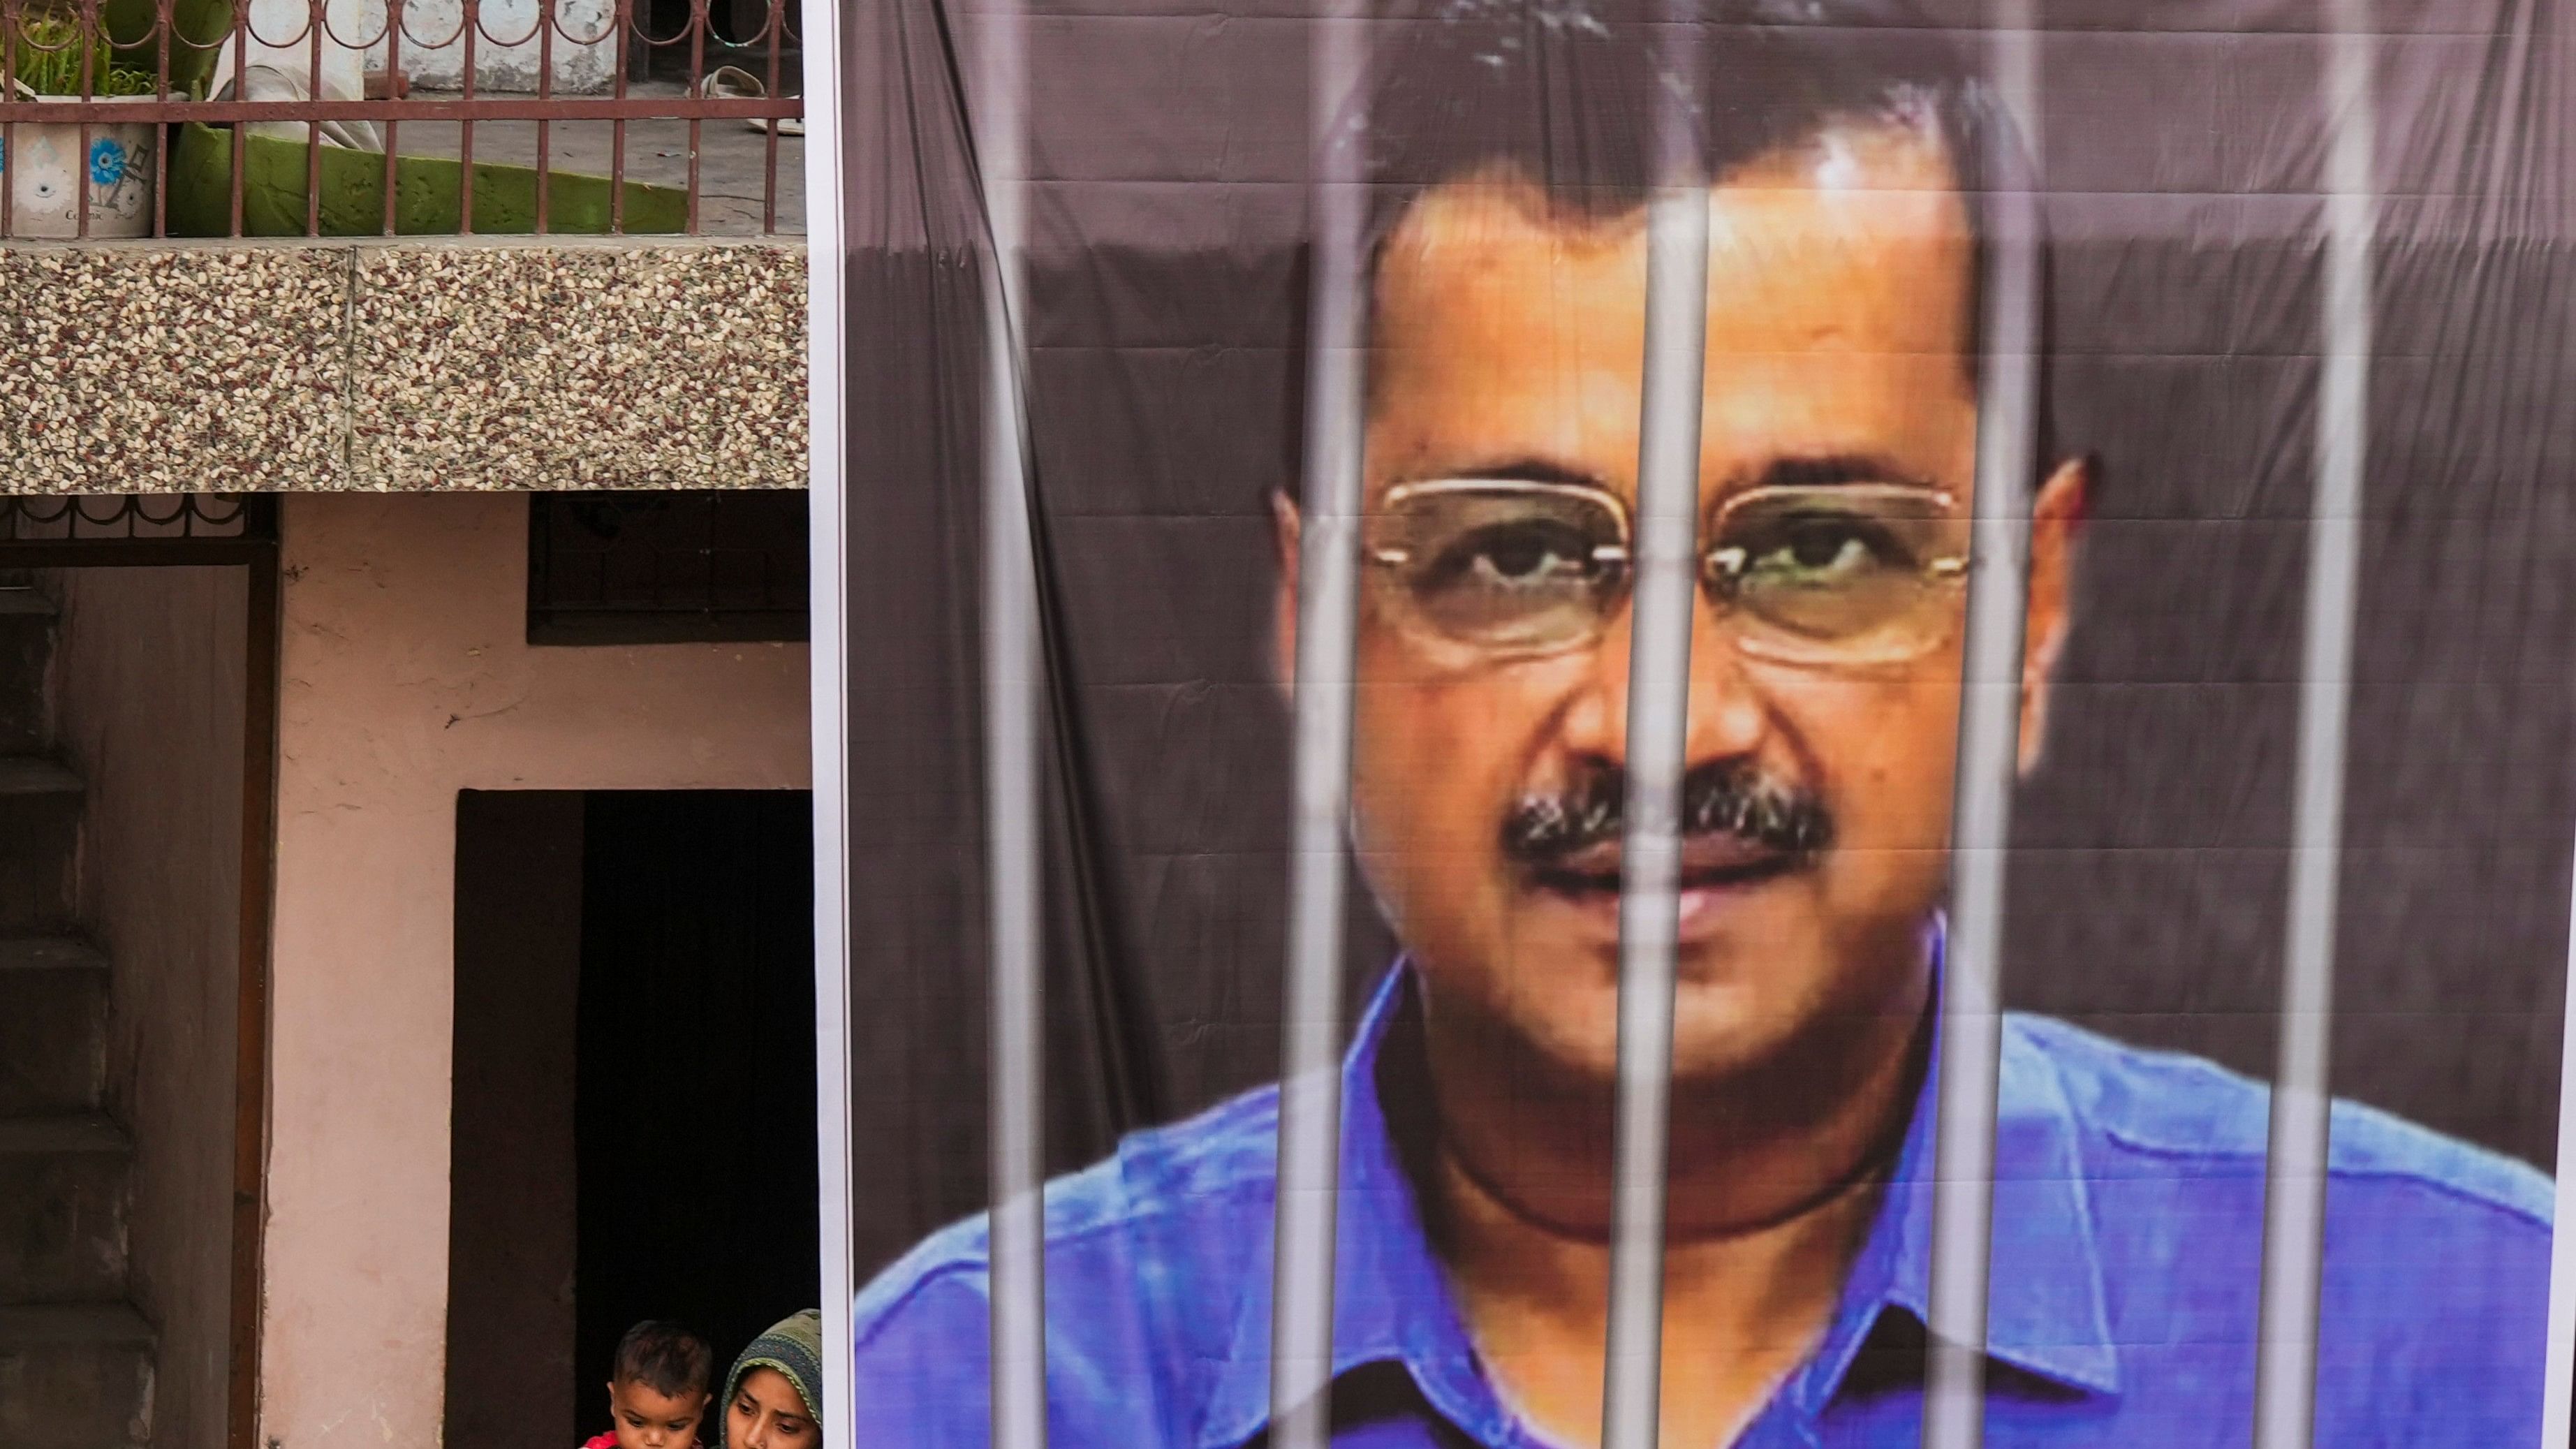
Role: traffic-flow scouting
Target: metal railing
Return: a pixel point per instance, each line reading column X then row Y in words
column 155, row 118
column 67, row 530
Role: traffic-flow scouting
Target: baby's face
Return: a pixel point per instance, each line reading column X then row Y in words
column 649, row 1419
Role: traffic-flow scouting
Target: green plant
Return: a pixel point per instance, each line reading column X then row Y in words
column 48, row 54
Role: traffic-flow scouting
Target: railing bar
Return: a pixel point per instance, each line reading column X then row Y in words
column 241, row 88
column 393, row 146
column 769, row 164
column 700, row 17
column 473, row 32
column 1310, row 1100
column 546, row 12
column 81, row 169
column 1971, row 1013
column 2294, row 1171
column 1013, row 688
column 316, row 19
column 617, row 129
column 560, row 108
column 1665, row 599
column 166, row 14
column 12, row 16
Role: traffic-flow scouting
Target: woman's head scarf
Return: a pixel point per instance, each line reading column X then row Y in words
column 794, row 1347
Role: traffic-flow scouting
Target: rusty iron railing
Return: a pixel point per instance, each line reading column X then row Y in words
column 230, row 90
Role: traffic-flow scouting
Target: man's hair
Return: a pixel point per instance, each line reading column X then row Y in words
column 664, row 1357
column 1566, row 95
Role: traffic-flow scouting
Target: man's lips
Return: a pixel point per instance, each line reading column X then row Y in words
column 1708, row 862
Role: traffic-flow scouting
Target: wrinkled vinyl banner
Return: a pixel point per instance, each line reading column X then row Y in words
column 2285, row 251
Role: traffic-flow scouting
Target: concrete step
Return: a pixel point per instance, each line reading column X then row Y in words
column 53, row 1027
column 63, row 1191
column 40, row 806
column 26, row 648
column 75, row 1377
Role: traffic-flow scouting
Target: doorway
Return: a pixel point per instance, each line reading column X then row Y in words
column 634, row 1118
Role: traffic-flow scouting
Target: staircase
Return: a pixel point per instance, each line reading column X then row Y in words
column 75, row 1358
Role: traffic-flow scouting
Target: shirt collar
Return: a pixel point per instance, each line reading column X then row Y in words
column 1391, row 1302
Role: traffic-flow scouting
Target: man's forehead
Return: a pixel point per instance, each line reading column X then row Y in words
column 1854, row 237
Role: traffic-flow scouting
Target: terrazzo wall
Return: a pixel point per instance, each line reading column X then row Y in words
column 401, row 367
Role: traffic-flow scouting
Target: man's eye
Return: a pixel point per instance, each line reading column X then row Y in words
column 1514, row 555
column 1820, row 551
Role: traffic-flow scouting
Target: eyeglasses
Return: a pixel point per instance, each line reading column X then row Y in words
column 1840, row 575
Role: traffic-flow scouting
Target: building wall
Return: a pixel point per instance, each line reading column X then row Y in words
column 148, row 706
column 406, row 679
column 509, row 57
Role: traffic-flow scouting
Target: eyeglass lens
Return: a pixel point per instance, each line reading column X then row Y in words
column 1843, row 573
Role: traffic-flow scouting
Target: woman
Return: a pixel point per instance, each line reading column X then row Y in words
column 774, row 1397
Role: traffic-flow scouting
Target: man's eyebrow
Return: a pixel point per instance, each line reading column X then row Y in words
column 1525, row 469
column 1826, row 470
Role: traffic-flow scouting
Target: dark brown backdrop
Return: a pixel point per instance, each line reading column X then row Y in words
column 2183, row 141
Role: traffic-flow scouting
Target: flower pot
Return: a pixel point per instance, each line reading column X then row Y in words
column 47, row 169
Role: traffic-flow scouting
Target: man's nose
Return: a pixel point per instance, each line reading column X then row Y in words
column 1725, row 712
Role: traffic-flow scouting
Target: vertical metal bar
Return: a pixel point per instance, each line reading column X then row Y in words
column 699, row 20
column 826, row 338
column 1013, row 687
column 617, row 128
column 473, row 32
column 393, row 127
column 1667, row 583
column 1971, row 1024
column 241, row 90
column 547, row 20
column 165, row 18
column 1310, row 1097
column 2294, row 1173
column 769, row 128
column 2558, row 1396
column 315, row 18
column 12, row 19
column 86, row 39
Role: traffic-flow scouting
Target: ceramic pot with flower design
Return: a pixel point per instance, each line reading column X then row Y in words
column 47, row 169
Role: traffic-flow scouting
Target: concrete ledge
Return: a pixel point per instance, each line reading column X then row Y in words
column 414, row 366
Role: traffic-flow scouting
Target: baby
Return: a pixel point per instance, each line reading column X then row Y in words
column 657, row 1391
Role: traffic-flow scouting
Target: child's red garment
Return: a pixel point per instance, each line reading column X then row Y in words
column 604, row 1441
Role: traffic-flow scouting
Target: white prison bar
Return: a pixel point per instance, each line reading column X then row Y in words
column 1014, row 680
column 827, row 338
column 1310, row 1101
column 1665, row 599
column 2294, row 1171
column 1971, row 1024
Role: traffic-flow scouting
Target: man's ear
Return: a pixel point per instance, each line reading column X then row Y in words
column 2056, row 523
column 1289, row 529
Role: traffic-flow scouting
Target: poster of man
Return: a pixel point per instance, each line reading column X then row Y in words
column 1851, row 161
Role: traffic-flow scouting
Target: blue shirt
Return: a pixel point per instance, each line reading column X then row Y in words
column 2128, row 1236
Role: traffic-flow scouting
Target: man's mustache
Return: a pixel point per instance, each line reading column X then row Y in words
column 1725, row 798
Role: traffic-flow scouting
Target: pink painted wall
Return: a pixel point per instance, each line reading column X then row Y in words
column 407, row 679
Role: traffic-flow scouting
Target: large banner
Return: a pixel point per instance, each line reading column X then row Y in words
column 1830, row 514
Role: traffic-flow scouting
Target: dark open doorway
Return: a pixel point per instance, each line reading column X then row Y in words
column 634, row 1090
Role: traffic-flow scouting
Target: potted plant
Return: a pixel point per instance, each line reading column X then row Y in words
column 47, row 167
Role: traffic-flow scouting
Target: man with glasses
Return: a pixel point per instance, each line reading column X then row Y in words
column 1838, row 453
